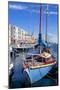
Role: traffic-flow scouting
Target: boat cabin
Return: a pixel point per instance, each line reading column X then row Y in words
column 39, row 60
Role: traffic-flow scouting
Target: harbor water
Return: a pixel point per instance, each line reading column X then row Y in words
column 20, row 79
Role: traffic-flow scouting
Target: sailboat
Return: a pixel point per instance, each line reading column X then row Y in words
column 39, row 62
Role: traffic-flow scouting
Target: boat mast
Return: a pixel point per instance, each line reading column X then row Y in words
column 40, row 31
column 46, row 22
column 40, row 18
column 40, row 26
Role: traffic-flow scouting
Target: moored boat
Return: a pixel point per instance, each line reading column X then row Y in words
column 40, row 61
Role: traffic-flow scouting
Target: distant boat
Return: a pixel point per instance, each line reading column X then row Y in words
column 39, row 61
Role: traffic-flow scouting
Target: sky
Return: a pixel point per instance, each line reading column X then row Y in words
column 27, row 16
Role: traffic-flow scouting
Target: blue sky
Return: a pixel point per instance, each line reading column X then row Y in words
column 27, row 16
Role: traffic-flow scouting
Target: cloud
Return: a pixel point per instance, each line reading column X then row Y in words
column 19, row 7
column 34, row 11
column 52, row 37
column 30, row 9
column 51, row 13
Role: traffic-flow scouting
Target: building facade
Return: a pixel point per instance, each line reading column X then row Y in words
column 18, row 36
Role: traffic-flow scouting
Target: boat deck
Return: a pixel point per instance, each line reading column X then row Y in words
column 36, row 64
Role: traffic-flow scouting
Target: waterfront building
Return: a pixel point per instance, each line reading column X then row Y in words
column 18, row 36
